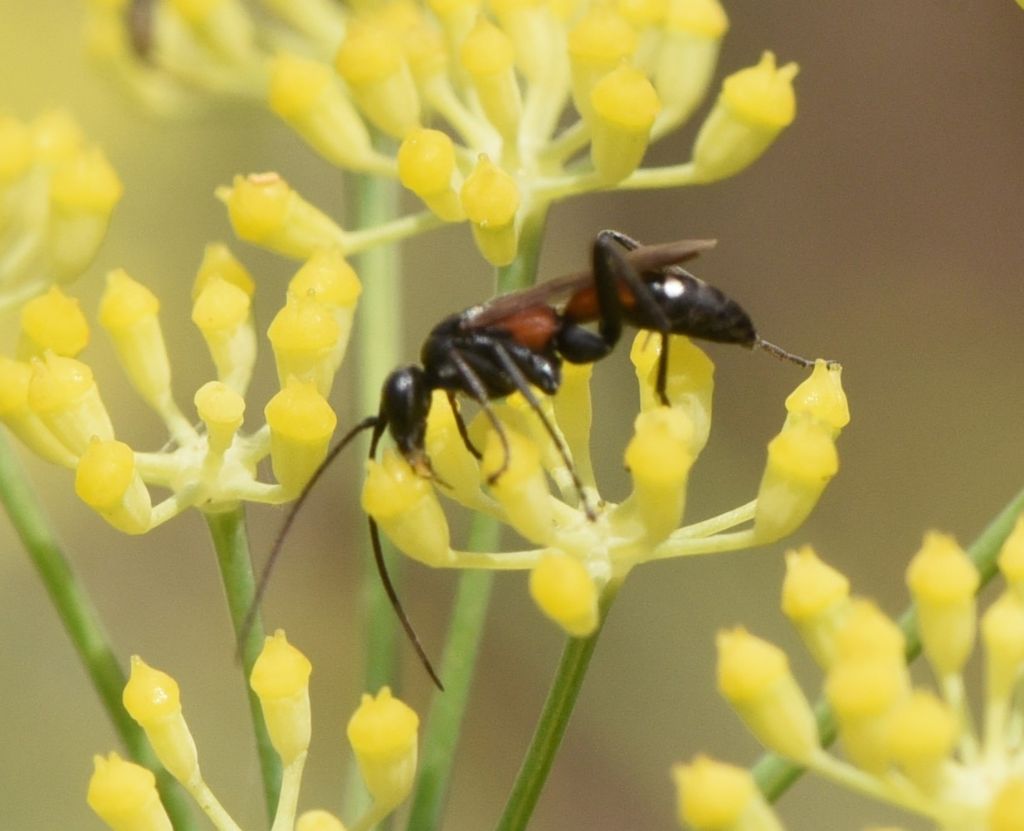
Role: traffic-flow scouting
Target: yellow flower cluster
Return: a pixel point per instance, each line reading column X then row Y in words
column 57, row 193
column 577, row 555
column 473, row 94
column 382, row 732
column 903, row 743
column 50, row 400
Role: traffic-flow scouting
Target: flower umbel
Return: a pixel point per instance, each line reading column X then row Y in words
column 903, row 744
column 51, row 400
column 576, row 555
column 382, row 733
column 474, row 97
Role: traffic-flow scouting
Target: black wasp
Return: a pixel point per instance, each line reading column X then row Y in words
column 518, row 341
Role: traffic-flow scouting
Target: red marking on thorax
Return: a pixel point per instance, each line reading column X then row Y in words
column 582, row 306
column 533, row 327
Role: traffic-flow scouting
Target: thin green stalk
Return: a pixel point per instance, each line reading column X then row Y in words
column 774, row 774
column 231, row 543
column 458, row 665
column 553, row 721
column 375, row 200
column 522, row 271
column 82, row 623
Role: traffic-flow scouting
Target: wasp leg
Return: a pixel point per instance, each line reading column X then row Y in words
column 523, row 386
column 611, row 267
column 461, row 425
column 478, row 392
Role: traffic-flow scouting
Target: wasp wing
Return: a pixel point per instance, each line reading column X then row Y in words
column 553, row 292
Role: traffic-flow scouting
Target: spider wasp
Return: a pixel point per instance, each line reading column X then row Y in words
column 518, row 341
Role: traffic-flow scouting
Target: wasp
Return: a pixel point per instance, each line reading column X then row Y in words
column 517, row 342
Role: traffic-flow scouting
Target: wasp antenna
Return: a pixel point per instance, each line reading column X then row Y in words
column 782, row 354
column 396, row 604
column 289, row 520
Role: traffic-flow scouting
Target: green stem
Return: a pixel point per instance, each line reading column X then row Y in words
column 774, row 774
column 231, row 543
column 553, row 721
column 458, row 665
column 82, row 623
column 522, row 271
column 376, row 201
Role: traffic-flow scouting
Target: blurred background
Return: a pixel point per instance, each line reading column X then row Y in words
column 883, row 229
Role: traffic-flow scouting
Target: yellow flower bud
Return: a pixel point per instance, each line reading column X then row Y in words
column 563, row 589
column 821, row 398
column 64, row 395
column 816, row 598
column 124, row 796
column 755, row 105
column 942, row 581
column 1006, row 812
column 219, row 262
column 863, row 694
column 222, row 410
column 15, row 149
column 52, row 321
column 406, row 508
column 659, row 459
column 107, row 482
column 264, row 210
column 714, row 796
column 383, row 734
column 490, row 198
column 152, row 699
column 426, row 166
column 921, row 736
column 685, row 63
column 754, row 677
column 599, row 42
column 15, row 378
column 1002, row 630
column 371, row 62
column 866, row 633
column 624, row 105
column 327, row 278
column 84, row 191
column 521, row 487
column 318, row 820
column 222, row 312
column 305, row 337
column 689, row 386
column 301, row 423
column 802, row 460
column 128, row 312
column 306, row 95
column 1011, row 557
column 488, row 55
column 280, row 678
column 225, row 26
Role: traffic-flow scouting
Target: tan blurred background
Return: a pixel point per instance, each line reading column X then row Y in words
column 884, row 229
